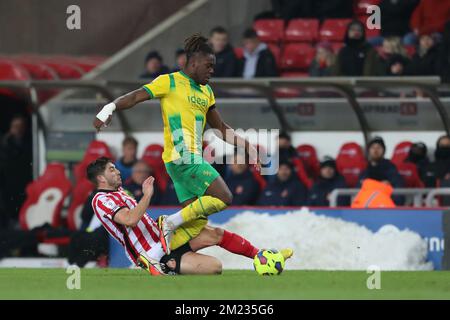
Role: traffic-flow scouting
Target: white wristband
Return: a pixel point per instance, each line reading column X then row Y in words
column 106, row 112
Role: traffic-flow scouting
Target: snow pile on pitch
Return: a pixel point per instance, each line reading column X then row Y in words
column 325, row 243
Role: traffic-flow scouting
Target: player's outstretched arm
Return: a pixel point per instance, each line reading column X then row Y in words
column 126, row 101
column 131, row 218
column 228, row 134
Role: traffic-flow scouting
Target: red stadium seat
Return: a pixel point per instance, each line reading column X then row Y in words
column 370, row 33
column 269, row 30
column 410, row 175
column 302, row 30
column 10, row 70
column 275, row 49
column 337, row 46
column 309, row 156
column 361, row 6
column 350, row 162
column 81, row 192
column 239, row 53
column 45, row 198
column 301, row 172
column 153, row 157
column 65, row 70
column 95, row 150
column 334, row 29
column 401, row 151
column 297, row 56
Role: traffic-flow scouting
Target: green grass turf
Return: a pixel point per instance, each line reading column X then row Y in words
column 233, row 284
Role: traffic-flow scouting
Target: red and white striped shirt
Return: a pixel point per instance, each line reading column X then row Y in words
column 142, row 238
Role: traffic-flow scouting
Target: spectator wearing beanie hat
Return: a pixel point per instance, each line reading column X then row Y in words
column 329, row 179
column 324, row 60
column 382, row 166
column 154, row 66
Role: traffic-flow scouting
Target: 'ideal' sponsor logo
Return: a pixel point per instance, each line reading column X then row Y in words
column 197, row 101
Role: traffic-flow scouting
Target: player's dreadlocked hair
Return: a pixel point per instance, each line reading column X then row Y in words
column 196, row 43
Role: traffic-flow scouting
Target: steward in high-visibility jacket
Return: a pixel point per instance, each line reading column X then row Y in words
column 374, row 194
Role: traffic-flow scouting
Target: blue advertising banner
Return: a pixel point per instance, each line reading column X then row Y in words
column 426, row 222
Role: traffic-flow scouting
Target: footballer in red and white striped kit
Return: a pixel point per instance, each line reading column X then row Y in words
column 144, row 237
column 126, row 220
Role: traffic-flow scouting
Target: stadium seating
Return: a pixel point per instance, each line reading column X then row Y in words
column 153, row 157
column 309, row 157
column 269, row 30
column 45, row 198
column 297, row 56
column 301, row 173
column 370, row 33
column 401, row 151
column 80, row 193
column 350, row 162
column 302, row 30
column 336, row 46
column 95, row 150
column 410, row 175
column 360, row 6
column 333, row 30
column 10, row 70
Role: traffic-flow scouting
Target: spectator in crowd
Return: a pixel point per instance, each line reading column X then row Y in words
column 154, row 66
column 376, row 190
column 284, row 190
column 393, row 57
column 329, row 179
column 424, row 61
column 443, row 63
column 439, row 170
column 383, row 167
column 140, row 172
column 226, row 61
column 129, row 157
column 242, row 183
column 418, row 154
column 429, row 17
column 15, row 167
column 395, row 17
column 258, row 60
column 286, row 151
column 180, row 58
column 357, row 57
column 324, row 61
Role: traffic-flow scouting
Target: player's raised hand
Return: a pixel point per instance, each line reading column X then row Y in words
column 99, row 124
column 147, row 186
column 103, row 118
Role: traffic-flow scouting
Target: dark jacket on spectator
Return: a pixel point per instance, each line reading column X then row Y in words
column 438, row 170
column 321, row 189
column 244, row 187
column 395, row 16
column 288, row 193
column 265, row 67
column 389, row 61
column 423, row 65
column 357, row 57
column 146, row 75
column 226, row 63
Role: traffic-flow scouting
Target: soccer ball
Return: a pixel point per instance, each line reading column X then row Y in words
column 268, row 262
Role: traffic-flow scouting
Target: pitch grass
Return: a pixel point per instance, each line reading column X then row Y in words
column 232, row 284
